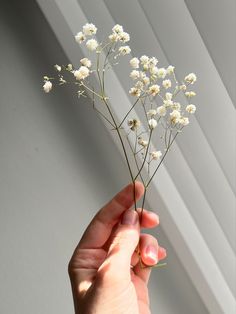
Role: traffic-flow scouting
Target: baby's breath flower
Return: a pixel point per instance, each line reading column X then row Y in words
column 151, row 113
column 124, row 37
column 190, row 78
column 57, row 67
column 168, row 102
column 145, row 66
column 154, row 90
column 117, row 29
column 86, row 62
column 144, row 59
column 154, row 70
column 152, row 123
column 191, row 108
column 176, row 106
column 166, row 84
column 139, row 85
column 190, row 94
column 134, row 74
column 170, row 69
column 153, row 62
column 124, row 50
column 142, row 75
column 146, row 80
column 134, row 91
column 114, row 37
column 183, row 87
column 69, row 67
column 134, row 124
column 89, row 29
column 161, row 111
column 161, row 73
column 80, row 37
column 134, row 62
column 175, row 116
column 47, row 87
column 156, row 155
column 81, row 73
column 168, row 96
column 92, row 44
column 142, row 142
column 183, row 121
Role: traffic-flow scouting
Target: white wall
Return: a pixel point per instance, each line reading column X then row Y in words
column 58, row 165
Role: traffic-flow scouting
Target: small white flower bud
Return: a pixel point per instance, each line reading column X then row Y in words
column 142, row 142
column 57, row 67
column 134, row 62
column 151, row 112
column 134, row 91
column 161, row 73
column 152, row 123
column 161, row 111
column 166, row 84
column 190, row 78
column 144, row 59
column 168, row 96
column 156, row 155
column 82, row 73
column 117, row 29
column 134, row 74
column 80, row 37
column 170, row 69
column 183, row 121
column 89, row 29
column 124, row 37
column 86, row 62
column 190, row 94
column 47, row 87
column 92, row 44
column 154, row 90
column 175, row 116
column 124, row 50
column 191, row 108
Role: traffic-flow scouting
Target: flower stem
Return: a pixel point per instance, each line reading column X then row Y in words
column 168, row 148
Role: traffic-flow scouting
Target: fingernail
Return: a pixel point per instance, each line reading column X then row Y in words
column 151, row 254
column 161, row 253
column 153, row 214
column 130, row 217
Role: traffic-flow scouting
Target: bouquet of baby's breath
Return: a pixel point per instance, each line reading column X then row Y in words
column 145, row 141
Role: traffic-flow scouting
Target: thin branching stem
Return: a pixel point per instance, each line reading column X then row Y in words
column 168, row 148
column 129, row 111
column 145, row 157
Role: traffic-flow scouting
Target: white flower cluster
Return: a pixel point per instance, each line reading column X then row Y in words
column 151, row 80
column 118, row 34
column 154, row 87
column 89, row 29
column 146, row 74
column 47, row 87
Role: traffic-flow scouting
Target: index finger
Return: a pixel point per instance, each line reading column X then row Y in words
column 99, row 229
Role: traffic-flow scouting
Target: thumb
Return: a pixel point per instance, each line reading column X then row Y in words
column 122, row 246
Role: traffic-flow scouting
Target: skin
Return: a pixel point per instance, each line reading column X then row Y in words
column 111, row 266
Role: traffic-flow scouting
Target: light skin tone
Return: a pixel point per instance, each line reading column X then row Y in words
column 111, row 265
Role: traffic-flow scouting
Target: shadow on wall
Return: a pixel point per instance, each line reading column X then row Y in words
column 71, row 113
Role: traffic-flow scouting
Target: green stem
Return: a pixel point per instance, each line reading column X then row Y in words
column 168, row 148
column 121, row 140
column 145, row 157
column 129, row 111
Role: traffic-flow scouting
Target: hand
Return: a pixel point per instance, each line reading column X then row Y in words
column 105, row 270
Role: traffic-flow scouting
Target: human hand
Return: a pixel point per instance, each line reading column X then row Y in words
column 105, row 270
